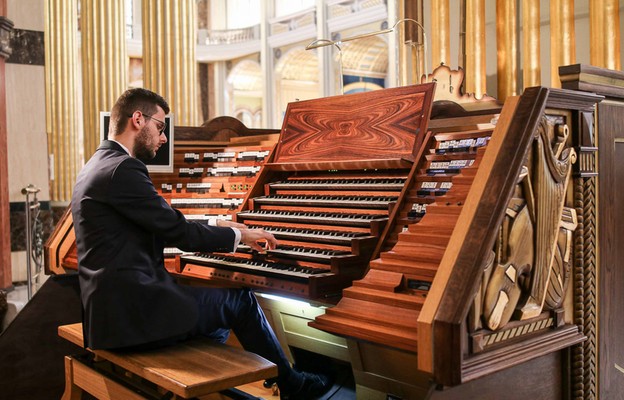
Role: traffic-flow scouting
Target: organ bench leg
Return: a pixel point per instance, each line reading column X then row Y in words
column 72, row 392
column 80, row 377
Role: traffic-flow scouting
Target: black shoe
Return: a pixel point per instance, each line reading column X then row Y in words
column 312, row 388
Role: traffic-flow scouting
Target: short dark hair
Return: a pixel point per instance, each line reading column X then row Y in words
column 130, row 101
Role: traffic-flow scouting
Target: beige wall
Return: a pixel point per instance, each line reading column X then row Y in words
column 26, row 129
column 25, row 88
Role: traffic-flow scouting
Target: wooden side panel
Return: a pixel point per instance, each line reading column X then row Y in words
column 60, row 249
column 471, row 243
column 427, row 315
column 611, row 232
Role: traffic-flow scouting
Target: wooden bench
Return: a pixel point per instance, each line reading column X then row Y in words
column 190, row 369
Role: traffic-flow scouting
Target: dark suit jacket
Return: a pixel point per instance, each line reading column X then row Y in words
column 121, row 226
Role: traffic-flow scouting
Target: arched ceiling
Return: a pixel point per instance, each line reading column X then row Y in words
column 246, row 76
column 366, row 56
column 298, row 65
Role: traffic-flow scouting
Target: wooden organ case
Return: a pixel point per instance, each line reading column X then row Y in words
column 474, row 298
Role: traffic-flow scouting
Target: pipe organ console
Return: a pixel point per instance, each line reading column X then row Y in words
column 441, row 241
column 328, row 193
column 214, row 167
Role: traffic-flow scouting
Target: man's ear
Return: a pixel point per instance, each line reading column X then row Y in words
column 137, row 119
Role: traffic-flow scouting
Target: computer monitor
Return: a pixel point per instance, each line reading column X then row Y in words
column 163, row 162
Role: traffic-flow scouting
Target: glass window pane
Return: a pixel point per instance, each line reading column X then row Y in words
column 242, row 13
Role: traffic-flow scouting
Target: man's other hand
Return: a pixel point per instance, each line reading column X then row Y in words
column 251, row 237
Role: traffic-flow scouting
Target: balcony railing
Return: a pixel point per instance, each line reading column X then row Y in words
column 228, row 36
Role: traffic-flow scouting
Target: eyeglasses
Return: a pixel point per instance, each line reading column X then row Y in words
column 163, row 125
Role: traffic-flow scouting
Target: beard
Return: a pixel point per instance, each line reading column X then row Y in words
column 143, row 146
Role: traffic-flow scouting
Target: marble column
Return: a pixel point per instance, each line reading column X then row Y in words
column 104, row 63
column 507, row 49
column 440, row 33
column 562, row 38
column 62, row 111
column 475, row 48
column 6, row 279
column 604, row 21
column 169, row 66
column 531, row 71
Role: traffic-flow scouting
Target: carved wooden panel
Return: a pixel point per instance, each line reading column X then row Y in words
column 530, row 272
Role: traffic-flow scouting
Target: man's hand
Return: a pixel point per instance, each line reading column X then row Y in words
column 251, row 237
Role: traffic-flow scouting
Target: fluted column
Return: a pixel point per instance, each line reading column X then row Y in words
column 475, row 47
column 440, row 33
column 531, row 70
column 507, row 49
column 61, row 75
column 169, row 66
column 604, row 20
column 104, row 67
column 562, row 38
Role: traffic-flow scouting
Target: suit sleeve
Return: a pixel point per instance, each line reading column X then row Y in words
column 133, row 195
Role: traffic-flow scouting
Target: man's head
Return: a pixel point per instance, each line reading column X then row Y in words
column 137, row 121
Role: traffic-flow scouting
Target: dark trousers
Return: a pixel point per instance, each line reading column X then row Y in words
column 222, row 309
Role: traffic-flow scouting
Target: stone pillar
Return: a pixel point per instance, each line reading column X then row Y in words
column 169, row 61
column 604, row 21
column 475, row 47
column 6, row 279
column 104, row 63
column 531, row 71
column 562, row 38
column 440, row 33
column 61, row 73
column 507, row 49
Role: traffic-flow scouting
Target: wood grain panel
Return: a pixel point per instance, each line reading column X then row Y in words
column 387, row 124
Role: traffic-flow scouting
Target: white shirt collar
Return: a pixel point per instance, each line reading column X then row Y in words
column 122, row 146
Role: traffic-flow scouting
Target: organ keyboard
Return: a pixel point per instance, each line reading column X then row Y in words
column 329, row 218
